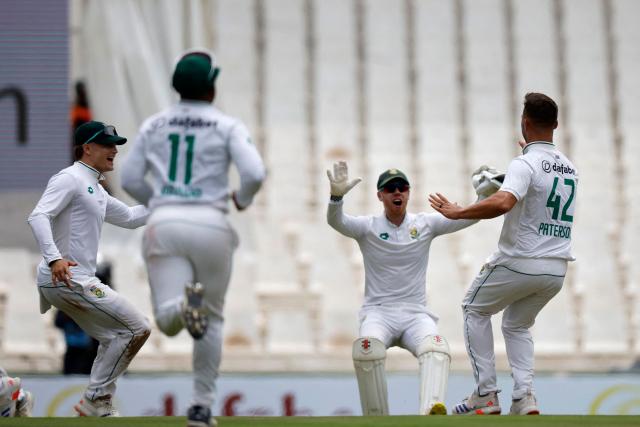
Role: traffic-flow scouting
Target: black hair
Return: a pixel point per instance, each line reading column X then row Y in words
column 540, row 109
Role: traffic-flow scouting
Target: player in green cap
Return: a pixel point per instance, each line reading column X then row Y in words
column 67, row 222
column 188, row 246
column 395, row 249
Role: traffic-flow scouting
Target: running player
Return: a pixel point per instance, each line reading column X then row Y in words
column 538, row 199
column 189, row 244
column 67, row 222
column 395, row 248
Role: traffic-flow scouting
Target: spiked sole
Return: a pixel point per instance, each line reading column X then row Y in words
column 194, row 314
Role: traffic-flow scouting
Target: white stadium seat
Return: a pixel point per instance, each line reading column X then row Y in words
column 286, row 231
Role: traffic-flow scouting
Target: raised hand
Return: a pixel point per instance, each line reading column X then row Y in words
column 339, row 180
column 441, row 204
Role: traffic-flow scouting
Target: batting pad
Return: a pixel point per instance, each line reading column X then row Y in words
column 369, row 356
column 435, row 360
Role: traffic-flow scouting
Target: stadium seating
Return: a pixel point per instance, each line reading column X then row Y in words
column 288, row 251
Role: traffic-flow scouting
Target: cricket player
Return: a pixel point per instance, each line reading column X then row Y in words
column 15, row 401
column 188, row 245
column 538, row 199
column 395, row 248
column 67, row 222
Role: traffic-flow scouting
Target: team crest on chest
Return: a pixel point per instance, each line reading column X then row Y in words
column 384, row 236
column 413, row 232
column 90, row 190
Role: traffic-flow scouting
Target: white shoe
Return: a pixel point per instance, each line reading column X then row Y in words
column 194, row 313
column 9, row 388
column 9, row 392
column 101, row 407
column 479, row 405
column 528, row 405
column 24, row 404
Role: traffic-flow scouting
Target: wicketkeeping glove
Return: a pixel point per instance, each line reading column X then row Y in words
column 339, row 181
column 486, row 180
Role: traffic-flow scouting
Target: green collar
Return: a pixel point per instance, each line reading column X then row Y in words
column 526, row 147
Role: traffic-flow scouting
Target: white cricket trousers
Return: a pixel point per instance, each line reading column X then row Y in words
column 402, row 324
column 108, row 317
column 191, row 243
column 520, row 287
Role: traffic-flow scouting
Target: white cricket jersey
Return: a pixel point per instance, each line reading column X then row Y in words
column 67, row 221
column 545, row 183
column 395, row 257
column 188, row 149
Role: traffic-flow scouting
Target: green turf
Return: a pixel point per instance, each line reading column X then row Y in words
column 397, row 421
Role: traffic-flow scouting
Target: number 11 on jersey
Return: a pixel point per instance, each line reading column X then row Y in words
column 174, row 138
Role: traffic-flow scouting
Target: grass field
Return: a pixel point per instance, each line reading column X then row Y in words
column 396, row 421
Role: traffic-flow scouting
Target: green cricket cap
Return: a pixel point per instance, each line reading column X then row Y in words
column 194, row 74
column 97, row 132
column 390, row 175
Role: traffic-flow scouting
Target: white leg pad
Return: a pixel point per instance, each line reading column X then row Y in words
column 369, row 356
column 435, row 360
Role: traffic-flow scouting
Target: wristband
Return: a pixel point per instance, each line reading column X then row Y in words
column 335, row 198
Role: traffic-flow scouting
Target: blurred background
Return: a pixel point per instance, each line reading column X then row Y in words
column 432, row 87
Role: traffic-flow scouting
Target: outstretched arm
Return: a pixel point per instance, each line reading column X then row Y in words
column 498, row 204
column 511, row 189
column 443, row 225
column 347, row 225
column 119, row 214
column 340, row 185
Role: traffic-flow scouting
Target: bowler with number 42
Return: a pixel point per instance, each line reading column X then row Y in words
column 537, row 199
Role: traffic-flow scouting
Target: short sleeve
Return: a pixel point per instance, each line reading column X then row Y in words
column 518, row 178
